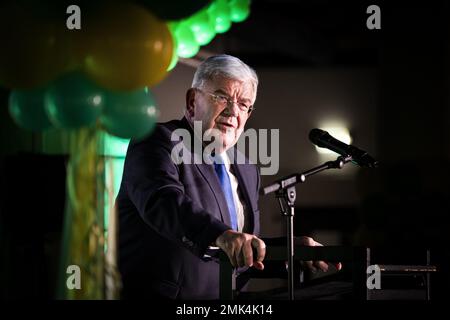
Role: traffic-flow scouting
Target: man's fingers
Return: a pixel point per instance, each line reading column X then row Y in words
column 313, row 266
column 247, row 254
column 231, row 255
column 231, row 252
column 239, row 249
column 227, row 242
column 317, row 244
column 307, row 241
column 239, row 256
column 321, row 265
column 260, row 247
column 310, row 266
column 258, row 265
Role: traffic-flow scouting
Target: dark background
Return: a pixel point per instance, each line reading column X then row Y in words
column 404, row 122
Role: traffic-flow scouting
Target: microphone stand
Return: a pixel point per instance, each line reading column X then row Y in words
column 286, row 194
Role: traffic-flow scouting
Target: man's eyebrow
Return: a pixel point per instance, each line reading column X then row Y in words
column 220, row 91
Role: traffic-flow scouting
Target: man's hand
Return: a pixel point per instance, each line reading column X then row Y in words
column 314, row 265
column 239, row 249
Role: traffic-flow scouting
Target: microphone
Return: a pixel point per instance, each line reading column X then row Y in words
column 323, row 139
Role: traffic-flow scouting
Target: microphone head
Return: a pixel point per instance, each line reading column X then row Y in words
column 316, row 136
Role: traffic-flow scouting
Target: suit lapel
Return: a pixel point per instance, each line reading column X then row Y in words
column 211, row 178
column 208, row 173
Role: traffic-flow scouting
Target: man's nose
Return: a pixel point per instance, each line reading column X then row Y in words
column 232, row 108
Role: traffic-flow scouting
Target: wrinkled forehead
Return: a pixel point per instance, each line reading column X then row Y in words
column 230, row 86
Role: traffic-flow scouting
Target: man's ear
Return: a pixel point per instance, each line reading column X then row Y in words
column 190, row 102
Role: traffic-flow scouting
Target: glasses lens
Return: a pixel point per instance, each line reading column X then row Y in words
column 223, row 101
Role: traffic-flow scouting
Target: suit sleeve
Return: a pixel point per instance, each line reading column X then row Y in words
column 153, row 185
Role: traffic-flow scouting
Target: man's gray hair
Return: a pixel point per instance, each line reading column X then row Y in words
column 226, row 66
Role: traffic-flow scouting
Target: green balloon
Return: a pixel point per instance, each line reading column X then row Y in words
column 219, row 13
column 74, row 101
column 27, row 108
column 240, row 10
column 202, row 27
column 130, row 114
column 187, row 46
column 174, row 61
column 172, row 27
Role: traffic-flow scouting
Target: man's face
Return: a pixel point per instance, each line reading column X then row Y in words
column 229, row 120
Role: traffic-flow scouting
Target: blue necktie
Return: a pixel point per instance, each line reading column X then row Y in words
column 226, row 187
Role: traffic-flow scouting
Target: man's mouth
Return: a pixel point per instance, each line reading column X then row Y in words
column 226, row 125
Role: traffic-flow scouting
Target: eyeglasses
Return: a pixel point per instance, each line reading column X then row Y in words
column 225, row 101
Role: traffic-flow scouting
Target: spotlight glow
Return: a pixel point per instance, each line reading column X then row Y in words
column 340, row 133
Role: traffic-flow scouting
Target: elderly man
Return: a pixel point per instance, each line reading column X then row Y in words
column 171, row 212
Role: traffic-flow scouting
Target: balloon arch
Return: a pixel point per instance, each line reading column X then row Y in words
column 95, row 80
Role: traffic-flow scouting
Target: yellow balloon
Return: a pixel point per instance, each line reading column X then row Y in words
column 34, row 49
column 126, row 47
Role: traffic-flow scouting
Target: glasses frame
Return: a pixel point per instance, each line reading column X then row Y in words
column 228, row 100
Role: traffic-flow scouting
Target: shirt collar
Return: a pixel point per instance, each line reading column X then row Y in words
column 222, row 158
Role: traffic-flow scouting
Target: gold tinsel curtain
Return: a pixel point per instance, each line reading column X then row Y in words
column 83, row 242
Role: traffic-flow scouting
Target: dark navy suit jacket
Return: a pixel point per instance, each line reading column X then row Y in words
column 169, row 214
